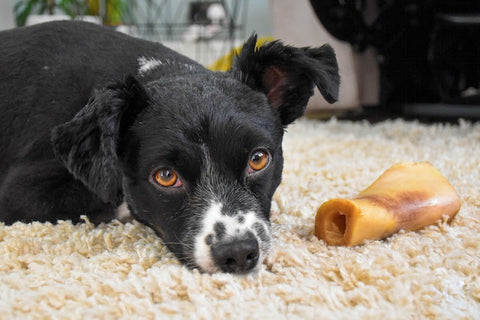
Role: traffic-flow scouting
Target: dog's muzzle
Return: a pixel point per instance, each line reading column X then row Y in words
column 231, row 243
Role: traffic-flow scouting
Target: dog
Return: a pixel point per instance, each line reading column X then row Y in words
column 96, row 123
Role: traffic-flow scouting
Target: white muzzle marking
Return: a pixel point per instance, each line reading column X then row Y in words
column 235, row 226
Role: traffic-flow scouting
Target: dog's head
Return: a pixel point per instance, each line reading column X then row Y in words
column 197, row 156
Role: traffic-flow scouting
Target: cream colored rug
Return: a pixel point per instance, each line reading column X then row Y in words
column 116, row 271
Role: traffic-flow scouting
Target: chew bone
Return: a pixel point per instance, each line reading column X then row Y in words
column 407, row 196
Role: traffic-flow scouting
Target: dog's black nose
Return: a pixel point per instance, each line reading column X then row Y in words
column 237, row 256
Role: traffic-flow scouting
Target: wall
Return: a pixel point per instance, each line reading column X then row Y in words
column 6, row 14
column 259, row 18
column 296, row 23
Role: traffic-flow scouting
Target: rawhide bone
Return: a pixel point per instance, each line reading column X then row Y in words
column 407, row 196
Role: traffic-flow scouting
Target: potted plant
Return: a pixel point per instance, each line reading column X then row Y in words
column 113, row 12
column 110, row 12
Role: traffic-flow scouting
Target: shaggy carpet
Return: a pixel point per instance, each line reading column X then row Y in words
column 116, row 270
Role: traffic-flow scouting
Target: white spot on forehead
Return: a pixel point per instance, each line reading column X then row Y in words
column 146, row 65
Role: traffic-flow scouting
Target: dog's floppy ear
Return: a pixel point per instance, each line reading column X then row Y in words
column 87, row 145
column 288, row 74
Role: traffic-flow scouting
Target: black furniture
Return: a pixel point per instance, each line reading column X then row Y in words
column 428, row 51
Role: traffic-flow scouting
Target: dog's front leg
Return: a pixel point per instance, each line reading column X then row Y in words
column 46, row 191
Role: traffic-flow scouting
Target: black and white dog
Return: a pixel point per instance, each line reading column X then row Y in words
column 96, row 122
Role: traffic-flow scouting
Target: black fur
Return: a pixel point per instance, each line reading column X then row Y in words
column 92, row 135
column 82, row 129
column 299, row 69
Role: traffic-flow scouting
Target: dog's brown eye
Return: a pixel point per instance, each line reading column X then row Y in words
column 258, row 160
column 167, row 178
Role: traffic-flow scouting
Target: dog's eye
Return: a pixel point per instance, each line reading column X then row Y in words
column 258, row 160
column 167, row 178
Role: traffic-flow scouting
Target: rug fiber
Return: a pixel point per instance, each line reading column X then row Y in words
column 116, row 270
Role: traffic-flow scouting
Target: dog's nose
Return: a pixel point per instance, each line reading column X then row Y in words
column 237, row 256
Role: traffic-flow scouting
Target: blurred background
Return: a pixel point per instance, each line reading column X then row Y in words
column 410, row 58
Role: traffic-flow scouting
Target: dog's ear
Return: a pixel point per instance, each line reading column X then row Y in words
column 87, row 145
column 287, row 75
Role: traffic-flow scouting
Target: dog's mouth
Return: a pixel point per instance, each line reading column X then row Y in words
column 217, row 239
column 233, row 244
column 223, row 243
